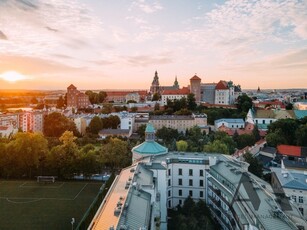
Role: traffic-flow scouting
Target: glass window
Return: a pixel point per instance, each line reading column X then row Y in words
column 190, row 172
column 201, row 183
column 201, row 194
column 190, row 182
column 201, row 172
column 293, row 198
column 180, row 192
column 169, row 182
column 169, row 172
column 179, row 181
column 179, row 171
column 301, row 210
column 169, row 193
column 190, row 193
column 300, row 199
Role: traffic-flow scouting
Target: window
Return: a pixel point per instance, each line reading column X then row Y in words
column 169, row 182
column 201, row 194
column 169, row 204
column 179, row 171
column 293, row 198
column 201, row 183
column 169, row 193
column 169, row 172
column 180, row 202
column 179, row 181
column 190, row 193
column 263, row 121
column 190, row 182
column 190, row 172
column 179, row 192
column 300, row 199
column 201, row 172
column 301, row 210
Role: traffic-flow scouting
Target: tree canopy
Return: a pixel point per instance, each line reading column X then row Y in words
column 55, row 124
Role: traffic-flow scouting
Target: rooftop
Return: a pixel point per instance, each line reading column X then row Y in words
column 291, row 178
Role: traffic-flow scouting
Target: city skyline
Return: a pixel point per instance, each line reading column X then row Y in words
column 120, row 44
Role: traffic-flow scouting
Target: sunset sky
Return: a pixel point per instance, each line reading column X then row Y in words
column 119, row 44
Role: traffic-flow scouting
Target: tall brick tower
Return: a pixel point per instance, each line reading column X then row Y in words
column 195, row 87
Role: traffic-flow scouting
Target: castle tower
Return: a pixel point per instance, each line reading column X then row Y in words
column 195, row 87
column 155, row 85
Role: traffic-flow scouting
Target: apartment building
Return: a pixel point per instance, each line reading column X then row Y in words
column 159, row 180
column 179, row 122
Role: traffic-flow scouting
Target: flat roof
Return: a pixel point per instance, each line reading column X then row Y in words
column 105, row 216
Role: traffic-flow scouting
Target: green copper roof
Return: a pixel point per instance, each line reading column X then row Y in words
column 149, row 128
column 150, row 147
column 300, row 113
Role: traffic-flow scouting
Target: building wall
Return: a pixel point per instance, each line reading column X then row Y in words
column 231, row 125
column 180, row 124
column 208, row 93
column 190, row 183
column 171, row 97
column 195, row 89
column 7, row 120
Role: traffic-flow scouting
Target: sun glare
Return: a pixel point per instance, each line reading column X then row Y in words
column 13, row 76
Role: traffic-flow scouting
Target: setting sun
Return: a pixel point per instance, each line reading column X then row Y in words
column 13, row 76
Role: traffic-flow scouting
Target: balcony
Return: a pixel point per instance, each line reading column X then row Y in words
column 216, row 191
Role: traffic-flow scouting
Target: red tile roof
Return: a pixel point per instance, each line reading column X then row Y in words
column 3, row 128
column 195, row 78
column 289, row 150
column 221, row 85
column 184, row 90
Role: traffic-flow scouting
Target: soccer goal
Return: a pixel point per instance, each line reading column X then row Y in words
column 49, row 179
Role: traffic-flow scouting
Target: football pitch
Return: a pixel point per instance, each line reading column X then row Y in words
column 32, row 205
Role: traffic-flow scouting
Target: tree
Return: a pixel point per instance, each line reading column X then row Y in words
column 27, row 149
column 244, row 103
column 115, row 154
column 255, row 166
column 275, row 139
column 60, row 103
column 256, row 133
column 95, row 125
column 191, row 102
column 156, row 97
column 245, row 140
column 289, row 106
column 63, row 157
column 167, row 135
column 182, row 145
column 224, row 138
column 157, row 107
column 102, row 95
column 216, row 146
column 55, row 124
column 301, row 135
column 286, row 128
column 141, row 131
column 34, row 100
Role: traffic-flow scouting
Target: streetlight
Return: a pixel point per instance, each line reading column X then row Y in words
column 72, row 223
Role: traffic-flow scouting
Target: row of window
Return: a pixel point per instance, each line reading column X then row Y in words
column 201, row 182
column 300, row 199
column 201, row 172
column 201, row 193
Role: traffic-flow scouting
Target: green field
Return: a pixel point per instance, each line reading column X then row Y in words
column 32, row 205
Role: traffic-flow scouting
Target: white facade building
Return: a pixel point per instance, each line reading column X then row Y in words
column 229, row 123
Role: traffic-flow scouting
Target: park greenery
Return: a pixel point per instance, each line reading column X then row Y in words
column 27, row 155
column 287, row 131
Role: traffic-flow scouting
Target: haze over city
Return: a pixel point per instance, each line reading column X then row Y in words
column 120, row 44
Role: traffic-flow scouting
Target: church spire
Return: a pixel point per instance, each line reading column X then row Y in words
column 176, row 85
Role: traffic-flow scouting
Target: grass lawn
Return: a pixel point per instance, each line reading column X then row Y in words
column 32, row 205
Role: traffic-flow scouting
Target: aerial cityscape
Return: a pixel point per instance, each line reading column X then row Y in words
column 153, row 115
